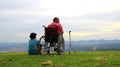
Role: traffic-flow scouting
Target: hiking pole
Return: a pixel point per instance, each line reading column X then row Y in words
column 70, row 42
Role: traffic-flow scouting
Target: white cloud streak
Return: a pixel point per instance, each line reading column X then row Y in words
column 87, row 19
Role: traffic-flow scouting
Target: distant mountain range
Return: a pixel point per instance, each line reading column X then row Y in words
column 83, row 45
column 18, row 47
column 96, row 45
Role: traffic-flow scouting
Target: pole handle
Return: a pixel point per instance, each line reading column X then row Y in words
column 69, row 32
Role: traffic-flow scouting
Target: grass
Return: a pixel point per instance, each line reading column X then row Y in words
column 75, row 59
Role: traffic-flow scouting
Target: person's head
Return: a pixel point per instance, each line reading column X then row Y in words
column 33, row 35
column 56, row 19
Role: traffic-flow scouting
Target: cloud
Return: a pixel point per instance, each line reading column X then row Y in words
column 92, row 35
column 29, row 21
column 87, row 19
column 17, row 4
column 54, row 7
column 86, row 29
column 80, row 7
column 115, row 15
column 84, row 35
column 111, row 28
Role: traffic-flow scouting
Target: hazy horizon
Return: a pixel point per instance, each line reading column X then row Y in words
column 87, row 19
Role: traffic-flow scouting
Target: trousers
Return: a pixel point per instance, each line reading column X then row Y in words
column 61, row 44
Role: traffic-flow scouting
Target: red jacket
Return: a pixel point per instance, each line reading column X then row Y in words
column 60, row 29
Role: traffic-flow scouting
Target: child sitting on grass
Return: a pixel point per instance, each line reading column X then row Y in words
column 33, row 42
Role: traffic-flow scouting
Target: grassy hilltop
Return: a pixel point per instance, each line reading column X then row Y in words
column 75, row 59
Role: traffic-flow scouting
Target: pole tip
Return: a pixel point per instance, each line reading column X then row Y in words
column 69, row 31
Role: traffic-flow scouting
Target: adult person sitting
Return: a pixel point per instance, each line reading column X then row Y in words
column 56, row 22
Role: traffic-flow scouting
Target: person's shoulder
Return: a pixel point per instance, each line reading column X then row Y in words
column 58, row 24
column 30, row 40
column 50, row 24
column 35, row 40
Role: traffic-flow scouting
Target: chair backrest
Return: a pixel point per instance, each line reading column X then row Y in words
column 51, row 34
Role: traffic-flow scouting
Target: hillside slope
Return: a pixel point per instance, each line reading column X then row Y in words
column 75, row 59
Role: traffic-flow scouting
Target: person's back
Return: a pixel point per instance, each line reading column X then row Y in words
column 60, row 46
column 56, row 22
column 33, row 42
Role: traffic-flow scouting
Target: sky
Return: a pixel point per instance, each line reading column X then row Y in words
column 87, row 19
